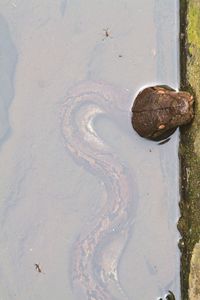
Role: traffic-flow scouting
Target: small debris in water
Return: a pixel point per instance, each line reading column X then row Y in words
column 38, row 268
column 106, row 34
column 169, row 296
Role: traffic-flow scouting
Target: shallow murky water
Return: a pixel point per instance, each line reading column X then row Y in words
column 82, row 195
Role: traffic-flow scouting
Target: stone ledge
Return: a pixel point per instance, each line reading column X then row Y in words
column 189, row 151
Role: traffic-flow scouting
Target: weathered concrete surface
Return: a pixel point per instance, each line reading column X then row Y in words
column 189, row 223
column 194, row 286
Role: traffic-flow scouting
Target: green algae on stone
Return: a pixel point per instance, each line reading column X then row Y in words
column 194, row 277
column 189, row 223
column 194, row 23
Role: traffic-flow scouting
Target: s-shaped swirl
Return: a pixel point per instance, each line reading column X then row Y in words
column 97, row 251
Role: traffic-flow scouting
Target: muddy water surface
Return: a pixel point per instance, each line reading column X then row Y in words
column 82, row 195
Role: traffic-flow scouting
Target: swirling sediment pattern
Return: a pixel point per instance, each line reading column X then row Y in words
column 97, row 250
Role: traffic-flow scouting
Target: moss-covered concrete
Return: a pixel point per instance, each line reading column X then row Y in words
column 189, row 223
column 194, row 286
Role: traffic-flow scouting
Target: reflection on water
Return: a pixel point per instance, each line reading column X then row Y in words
column 8, row 60
column 82, row 195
